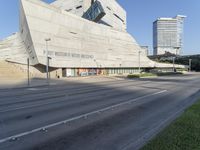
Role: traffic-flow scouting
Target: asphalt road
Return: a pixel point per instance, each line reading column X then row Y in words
column 102, row 113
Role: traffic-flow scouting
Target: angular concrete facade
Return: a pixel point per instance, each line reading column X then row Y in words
column 75, row 41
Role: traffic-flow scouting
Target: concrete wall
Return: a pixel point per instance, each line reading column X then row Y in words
column 12, row 48
column 115, row 14
column 72, row 6
column 77, row 42
column 24, row 34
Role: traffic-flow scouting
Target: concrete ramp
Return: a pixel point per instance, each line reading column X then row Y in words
column 11, row 71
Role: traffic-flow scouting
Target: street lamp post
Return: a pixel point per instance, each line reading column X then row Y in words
column 177, row 50
column 28, row 74
column 47, row 61
column 139, row 61
column 190, row 65
column 174, row 64
column 49, row 58
column 97, row 65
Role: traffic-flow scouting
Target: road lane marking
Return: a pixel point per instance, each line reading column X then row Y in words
column 36, row 89
column 52, row 97
column 77, row 117
column 36, row 105
column 32, row 89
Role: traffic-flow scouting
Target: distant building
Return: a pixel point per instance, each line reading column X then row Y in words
column 168, row 35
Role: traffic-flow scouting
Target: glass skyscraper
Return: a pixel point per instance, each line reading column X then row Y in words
column 168, row 35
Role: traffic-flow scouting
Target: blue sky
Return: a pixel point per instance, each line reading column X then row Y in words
column 140, row 15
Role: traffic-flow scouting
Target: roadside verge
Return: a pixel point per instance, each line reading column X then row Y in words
column 183, row 133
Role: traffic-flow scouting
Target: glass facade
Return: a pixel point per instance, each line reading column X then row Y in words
column 95, row 12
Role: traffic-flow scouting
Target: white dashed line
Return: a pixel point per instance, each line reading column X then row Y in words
column 77, row 117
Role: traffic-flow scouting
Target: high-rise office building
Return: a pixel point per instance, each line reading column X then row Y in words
column 168, row 35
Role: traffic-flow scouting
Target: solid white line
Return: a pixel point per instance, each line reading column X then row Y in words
column 76, row 118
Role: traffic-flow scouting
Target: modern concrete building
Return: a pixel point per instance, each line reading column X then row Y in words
column 168, row 35
column 76, row 37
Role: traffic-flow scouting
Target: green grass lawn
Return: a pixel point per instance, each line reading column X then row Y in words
column 141, row 75
column 182, row 134
column 168, row 73
column 153, row 74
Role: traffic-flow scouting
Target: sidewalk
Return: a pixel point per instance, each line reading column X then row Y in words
column 21, row 83
column 36, row 82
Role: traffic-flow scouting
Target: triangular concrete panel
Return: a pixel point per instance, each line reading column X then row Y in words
column 38, row 19
column 26, row 34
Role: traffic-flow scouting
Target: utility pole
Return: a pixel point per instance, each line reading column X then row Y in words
column 47, row 61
